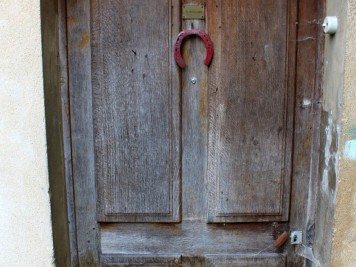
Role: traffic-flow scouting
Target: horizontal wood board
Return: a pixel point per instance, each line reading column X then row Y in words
column 252, row 260
column 224, row 260
column 186, row 238
column 114, row 260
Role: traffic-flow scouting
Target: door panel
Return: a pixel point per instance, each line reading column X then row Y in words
column 136, row 110
column 136, row 113
column 188, row 167
column 251, row 109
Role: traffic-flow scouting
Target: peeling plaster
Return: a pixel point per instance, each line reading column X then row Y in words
column 350, row 150
column 331, row 158
column 343, row 249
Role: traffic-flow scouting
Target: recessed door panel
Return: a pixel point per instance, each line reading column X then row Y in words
column 136, row 110
column 251, row 110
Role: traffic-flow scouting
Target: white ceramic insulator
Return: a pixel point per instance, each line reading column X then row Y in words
column 330, row 25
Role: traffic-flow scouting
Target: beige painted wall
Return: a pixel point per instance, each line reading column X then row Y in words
column 25, row 232
column 344, row 242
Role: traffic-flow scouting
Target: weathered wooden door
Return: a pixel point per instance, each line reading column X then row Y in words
column 203, row 166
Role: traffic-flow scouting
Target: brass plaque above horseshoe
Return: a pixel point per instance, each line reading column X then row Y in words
column 191, row 11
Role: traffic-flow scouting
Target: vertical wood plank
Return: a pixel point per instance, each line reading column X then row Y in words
column 63, row 57
column 194, row 122
column 79, row 66
column 54, row 52
column 308, row 72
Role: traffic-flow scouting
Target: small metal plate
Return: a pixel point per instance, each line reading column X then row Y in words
column 296, row 237
column 193, row 11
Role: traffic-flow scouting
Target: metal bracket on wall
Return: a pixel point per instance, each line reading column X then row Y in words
column 296, row 237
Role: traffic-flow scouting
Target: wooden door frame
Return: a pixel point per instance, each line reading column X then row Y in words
column 55, row 73
column 54, row 39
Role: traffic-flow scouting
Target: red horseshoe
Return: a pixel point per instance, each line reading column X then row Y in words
column 207, row 42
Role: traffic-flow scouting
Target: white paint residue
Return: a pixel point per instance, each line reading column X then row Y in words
column 306, row 102
column 266, row 53
column 328, row 135
column 350, row 150
column 330, row 156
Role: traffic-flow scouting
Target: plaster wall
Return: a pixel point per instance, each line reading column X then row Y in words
column 344, row 241
column 334, row 62
column 335, row 235
column 25, row 232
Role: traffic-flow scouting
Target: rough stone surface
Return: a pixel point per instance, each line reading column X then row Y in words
column 25, row 233
column 334, row 62
column 344, row 242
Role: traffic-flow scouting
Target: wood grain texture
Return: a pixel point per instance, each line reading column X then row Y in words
column 194, row 123
column 250, row 90
column 262, row 260
column 250, row 111
column 306, row 136
column 136, row 110
column 63, row 57
column 115, row 260
column 54, row 41
column 80, row 92
column 225, row 260
column 187, row 238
